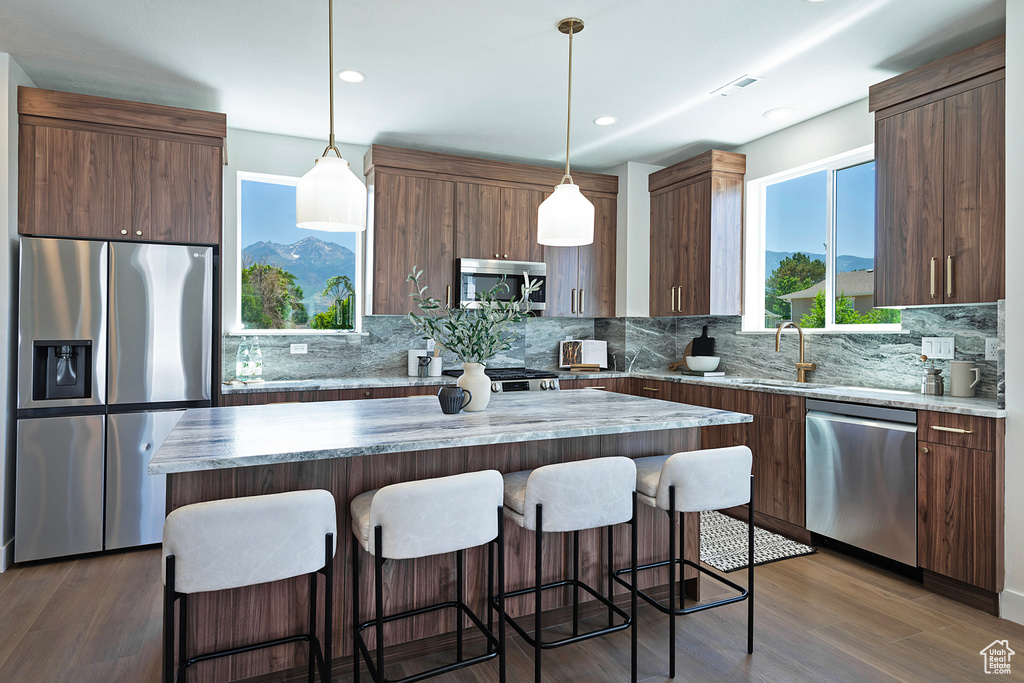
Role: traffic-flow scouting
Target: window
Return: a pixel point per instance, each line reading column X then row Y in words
column 812, row 245
column 291, row 278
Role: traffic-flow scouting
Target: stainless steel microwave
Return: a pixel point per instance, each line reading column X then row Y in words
column 480, row 275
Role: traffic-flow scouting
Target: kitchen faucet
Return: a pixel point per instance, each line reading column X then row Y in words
column 801, row 367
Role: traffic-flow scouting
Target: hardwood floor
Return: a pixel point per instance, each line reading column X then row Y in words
column 823, row 617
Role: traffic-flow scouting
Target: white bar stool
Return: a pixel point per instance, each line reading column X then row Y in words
column 422, row 518
column 574, row 496
column 695, row 481
column 242, row 542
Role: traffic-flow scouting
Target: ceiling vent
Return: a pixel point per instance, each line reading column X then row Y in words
column 743, row 81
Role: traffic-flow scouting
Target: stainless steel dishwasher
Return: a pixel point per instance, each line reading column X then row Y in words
column 862, row 477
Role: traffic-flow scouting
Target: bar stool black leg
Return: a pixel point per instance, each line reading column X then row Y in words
column 169, row 621
column 611, row 575
column 378, row 579
column 682, row 560
column 460, row 559
column 501, row 595
column 672, row 582
column 490, row 584
column 576, row 583
column 183, row 635
column 328, row 647
column 538, row 571
column 633, row 597
column 311, row 666
column 355, row 612
column 750, row 571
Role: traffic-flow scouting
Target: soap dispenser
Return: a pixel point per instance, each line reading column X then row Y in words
column 932, row 382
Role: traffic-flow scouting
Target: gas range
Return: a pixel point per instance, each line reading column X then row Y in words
column 517, row 379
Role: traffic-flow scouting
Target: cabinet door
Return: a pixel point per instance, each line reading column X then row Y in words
column 563, row 281
column 693, row 245
column 477, row 221
column 207, row 186
column 779, row 468
column 162, row 206
column 413, row 227
column 957, row 514
column 74, row 183
column 597, row 264
column 664, row 252
column 974, row 209
column 519, row 224
column 909, row 207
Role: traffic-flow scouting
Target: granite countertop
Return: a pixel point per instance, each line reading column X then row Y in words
column 980, row 407
column 217, row 438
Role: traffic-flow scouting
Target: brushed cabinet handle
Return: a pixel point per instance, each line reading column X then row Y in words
column 594, row 387
column 572, row 305
column 496, row 256
column 954, row 430
column 650, row 388
column 949, row 275
column 124, row 232
column 505, row 256
column 583, row 300
column 934, row 259
column 448, row 297
column 366, row 393
column 138, row 232
column 924, row 449
column 673, row 290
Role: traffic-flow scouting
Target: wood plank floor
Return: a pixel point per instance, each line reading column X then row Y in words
column 823, row 617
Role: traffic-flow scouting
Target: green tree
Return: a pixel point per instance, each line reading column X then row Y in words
column 337, row 288
column 793, row 274
column 846, row 314
column 269, row 296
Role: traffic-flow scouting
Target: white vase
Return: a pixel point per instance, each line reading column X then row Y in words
column 477, row 383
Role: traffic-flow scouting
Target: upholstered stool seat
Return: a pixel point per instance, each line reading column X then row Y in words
column 572, row 497
column 238, row 542
column 422, row 518
column 695, row 481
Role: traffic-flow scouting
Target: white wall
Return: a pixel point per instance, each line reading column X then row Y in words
column 633, row 239
column 1013, row 596
column 264, row 153
column 834, row 132
column 11, row 76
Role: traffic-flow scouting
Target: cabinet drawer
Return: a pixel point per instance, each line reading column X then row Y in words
column 966, row 431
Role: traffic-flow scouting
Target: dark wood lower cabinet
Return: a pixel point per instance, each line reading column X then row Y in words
column 618, row 385
column 268, row 397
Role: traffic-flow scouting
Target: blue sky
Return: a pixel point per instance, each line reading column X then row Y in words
column 796, row 213
column 268, row 215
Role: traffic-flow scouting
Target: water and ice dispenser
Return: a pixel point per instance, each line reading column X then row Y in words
column 61, row 369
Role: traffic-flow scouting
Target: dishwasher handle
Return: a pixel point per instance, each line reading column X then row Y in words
column 860, row 421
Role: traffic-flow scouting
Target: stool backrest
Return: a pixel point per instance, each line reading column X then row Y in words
column 244, row 541
column 710, row 479
column 436, row 516
column 581, row 495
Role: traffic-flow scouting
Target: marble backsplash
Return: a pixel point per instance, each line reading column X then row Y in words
column 883, row 360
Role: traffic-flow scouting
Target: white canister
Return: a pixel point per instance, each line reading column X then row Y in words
column 414, row 363
column 435, row 366
column 964, row 377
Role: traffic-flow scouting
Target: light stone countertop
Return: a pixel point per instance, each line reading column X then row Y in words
column 980, row 407
column 218, row 438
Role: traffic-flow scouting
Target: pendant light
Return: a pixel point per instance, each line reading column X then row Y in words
column 566, row 218
column 330, row 197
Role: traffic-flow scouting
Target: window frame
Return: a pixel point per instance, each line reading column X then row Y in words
column 755, row 239
column 360, row 256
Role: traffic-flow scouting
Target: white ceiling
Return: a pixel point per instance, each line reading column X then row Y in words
column 488, row 77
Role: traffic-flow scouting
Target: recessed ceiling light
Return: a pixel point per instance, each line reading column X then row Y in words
column 605, row 120
column 351, row 76
column 780, row 113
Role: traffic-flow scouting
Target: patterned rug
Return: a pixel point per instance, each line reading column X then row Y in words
column 723, row 543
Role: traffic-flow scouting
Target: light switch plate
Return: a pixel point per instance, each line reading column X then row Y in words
column 991, row 348
column 298, row 348
column 938, row 347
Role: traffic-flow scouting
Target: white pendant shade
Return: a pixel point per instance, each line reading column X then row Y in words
column 331, row 198
column 566, row 218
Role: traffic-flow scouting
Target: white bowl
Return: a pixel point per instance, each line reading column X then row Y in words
column 702, row 363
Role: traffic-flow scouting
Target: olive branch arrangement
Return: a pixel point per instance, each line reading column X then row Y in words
column 476, row 334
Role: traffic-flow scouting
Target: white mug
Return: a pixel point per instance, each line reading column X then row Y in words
column 964, row 377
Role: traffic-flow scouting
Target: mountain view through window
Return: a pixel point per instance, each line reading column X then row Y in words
column 291, row 278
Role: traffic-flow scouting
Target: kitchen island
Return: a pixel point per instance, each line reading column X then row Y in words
column 349, row 447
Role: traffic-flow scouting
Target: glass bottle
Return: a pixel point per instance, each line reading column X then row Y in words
column 243, row 368
column 256, row 359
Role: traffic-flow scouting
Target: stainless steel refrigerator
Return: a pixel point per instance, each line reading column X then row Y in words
column 115, row 340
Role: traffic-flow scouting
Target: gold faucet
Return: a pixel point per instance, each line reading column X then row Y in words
column 802, row 368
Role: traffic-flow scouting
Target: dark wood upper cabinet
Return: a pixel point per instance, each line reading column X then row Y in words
column 697, row 236
column 109, row 169
column 940, row 159
column 491, row 214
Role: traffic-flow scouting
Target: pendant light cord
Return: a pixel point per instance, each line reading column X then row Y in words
column 568, row 116
column 330, row 65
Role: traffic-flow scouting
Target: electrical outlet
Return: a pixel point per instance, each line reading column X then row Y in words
column 298, row 348
column 938, row 347
column 991, row 348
